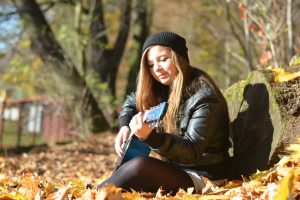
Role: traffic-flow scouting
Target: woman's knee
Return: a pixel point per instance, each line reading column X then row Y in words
column 137, row 165
column 138, row 162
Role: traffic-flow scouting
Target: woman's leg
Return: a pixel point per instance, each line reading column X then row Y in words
column 148, row 175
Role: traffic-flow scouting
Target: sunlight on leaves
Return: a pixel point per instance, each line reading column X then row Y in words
column 109, row 192
column 282, row 75
column 279, row 182
column 12, row 197
column 285, row 188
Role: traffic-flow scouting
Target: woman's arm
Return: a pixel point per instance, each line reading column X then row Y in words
column 202, row 133
column 128, row 110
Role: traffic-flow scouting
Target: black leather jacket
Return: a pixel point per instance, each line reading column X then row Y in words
column 202, row 126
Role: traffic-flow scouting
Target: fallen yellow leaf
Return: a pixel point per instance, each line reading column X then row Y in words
column 285, row 188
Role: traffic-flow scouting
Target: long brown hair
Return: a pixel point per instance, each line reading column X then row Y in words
column 146, row 96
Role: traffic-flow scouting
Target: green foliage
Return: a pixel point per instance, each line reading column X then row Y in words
column 214, row 30
column 26, row 71
column 101, row 91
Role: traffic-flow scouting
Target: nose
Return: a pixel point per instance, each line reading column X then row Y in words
column 156, row 66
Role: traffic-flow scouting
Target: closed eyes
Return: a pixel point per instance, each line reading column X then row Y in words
column 161, row 59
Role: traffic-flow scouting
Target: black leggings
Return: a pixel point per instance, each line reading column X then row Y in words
column 147, row 174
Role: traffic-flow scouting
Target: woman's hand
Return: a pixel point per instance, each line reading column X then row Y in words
column 122, row 137
column 139, row 127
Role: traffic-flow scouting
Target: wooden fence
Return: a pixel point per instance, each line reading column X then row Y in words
column 39, row 116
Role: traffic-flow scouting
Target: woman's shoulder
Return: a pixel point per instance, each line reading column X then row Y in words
column 200, row 81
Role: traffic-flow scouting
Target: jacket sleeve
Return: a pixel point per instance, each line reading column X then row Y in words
column 128, row 110
column 191, row 147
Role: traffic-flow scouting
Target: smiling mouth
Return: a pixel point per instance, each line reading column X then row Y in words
column 162, row 76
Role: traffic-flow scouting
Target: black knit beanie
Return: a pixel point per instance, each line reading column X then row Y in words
column 168, row 39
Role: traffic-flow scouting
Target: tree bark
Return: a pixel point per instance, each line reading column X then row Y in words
column 45, row 45
column 141, row 32
column 100, row 41
column 289, row 22
column 106, row 61
column 233, row 29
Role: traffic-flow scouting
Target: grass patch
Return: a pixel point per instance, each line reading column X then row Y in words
column 10, row 137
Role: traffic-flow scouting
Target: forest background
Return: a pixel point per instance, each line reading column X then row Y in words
column 86, row 53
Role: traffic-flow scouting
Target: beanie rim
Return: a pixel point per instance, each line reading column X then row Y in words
column 167, row 39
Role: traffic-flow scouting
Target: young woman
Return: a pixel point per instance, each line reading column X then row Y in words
column 193, row 140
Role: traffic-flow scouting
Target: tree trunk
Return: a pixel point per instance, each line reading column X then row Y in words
column 262, row 124
column 141, row 32
column 2, row 107
column 106, row 61
column 45, row 45
column 289, row 23
column 100, row 41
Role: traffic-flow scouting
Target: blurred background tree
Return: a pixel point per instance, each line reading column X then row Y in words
column 87, row 52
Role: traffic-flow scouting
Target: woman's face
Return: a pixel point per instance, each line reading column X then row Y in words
column 162, row 67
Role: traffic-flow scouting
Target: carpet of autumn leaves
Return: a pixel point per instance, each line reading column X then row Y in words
column 72, row 171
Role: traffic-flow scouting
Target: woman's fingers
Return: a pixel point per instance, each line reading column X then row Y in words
column 125, row 137
column 120, row 139
column 139, row 127
column 136, row 122
column 118, row 144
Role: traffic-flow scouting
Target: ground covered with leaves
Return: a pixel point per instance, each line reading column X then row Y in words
column 72, row 171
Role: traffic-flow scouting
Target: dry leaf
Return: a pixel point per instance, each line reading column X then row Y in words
column 282, row 75
column 283, row 171
column 89, row 195
column 262, row 185
column 233, row 184
column 208, row 185
column 12, row 197
column 109, row 192
column 61, row 194
column 135, row 195
column 159, row 193
column 286, row 186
